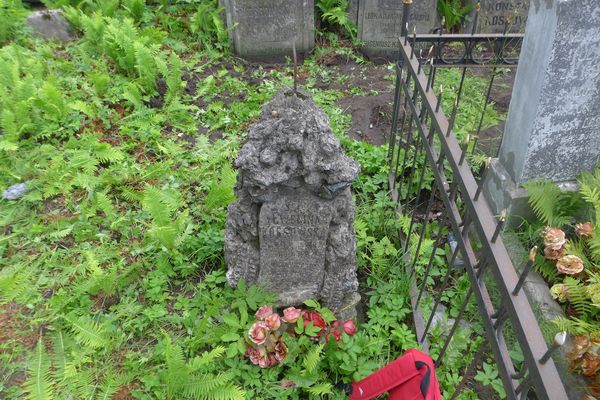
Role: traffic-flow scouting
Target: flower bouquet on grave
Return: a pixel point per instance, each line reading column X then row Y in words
column 266, row 347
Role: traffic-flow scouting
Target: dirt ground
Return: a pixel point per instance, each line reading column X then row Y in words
column 371, row 108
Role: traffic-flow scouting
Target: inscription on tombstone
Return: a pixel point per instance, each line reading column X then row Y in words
column 293, row 230
column 495, row 16
column 265, row 29
column 379, row 24
column 290, row 230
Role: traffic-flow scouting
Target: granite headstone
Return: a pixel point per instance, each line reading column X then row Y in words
column 379, row 24
column 552, row 125
column 266, row 29
column 291, row 228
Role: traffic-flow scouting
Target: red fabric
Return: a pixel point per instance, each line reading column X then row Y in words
column 401, row 379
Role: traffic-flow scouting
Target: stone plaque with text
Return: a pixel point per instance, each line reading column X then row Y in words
column 265, row 29
column 293, row 235
column 379, row 24
column 497, row 15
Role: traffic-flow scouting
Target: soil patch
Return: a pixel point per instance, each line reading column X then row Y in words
column 371, row 117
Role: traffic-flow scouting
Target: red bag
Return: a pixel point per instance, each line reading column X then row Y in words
column 409, row 377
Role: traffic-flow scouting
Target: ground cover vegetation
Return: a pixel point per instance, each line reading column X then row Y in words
column 567, row 236
column 112, row 279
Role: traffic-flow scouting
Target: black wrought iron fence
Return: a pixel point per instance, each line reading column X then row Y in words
column 429, row 171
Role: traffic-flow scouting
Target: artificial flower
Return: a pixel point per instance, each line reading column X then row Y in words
column 315, row 318
column 264, row 312
column 584, row 230
column 291, row 314
column 273, row 321
column 281, row 351
column 553, row 254
column 349, row 327
column 559, row 292
column 254, row 355
column 554, row 238
column 590, row 365
column 258, row 333
column 569, row 265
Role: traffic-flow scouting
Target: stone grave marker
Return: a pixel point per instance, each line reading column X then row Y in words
column 552, row 124
column 379, row 24
column 494, row 15
column 265, row 29
column 50, row 24
column 291, row 228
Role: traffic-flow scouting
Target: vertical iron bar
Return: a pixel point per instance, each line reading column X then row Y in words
column 436, row 244
column 470, row 370
column 454, row 326
column 438, row 297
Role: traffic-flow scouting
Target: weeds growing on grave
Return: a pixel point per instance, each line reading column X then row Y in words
column 111, row 265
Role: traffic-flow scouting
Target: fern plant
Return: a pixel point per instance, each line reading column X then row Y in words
column 335, row 13
column 555, row 208
column 195, row 379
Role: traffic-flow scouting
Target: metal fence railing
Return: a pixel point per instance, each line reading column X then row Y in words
column 429, row 169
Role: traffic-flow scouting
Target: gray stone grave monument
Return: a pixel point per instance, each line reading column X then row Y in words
column 265, row 29
column 497, row 15
column 379, row 24
column 290, row 230
column 553, row 125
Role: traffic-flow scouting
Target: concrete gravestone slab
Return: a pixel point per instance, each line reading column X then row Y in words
column 494, row 15
column 379, row 24
column 290, row 230
column 265, row 29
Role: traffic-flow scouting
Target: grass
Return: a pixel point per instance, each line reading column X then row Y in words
column 111, row 266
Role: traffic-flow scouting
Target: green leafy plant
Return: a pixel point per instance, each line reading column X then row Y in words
column 335, row 13
column 454, row 13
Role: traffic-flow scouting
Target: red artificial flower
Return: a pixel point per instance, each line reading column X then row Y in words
column 349, row 327
column 315, row 318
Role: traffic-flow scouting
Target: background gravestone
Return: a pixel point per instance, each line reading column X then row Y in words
column 494, row 15
column 291, row 228
column 379, row 24
column 552, row 128
column 50, row 24
column 265, row 29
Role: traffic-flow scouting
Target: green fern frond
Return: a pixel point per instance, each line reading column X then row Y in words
column 321, row 389
column 176, row 374
column 221, row 193
column 578, row 296
column 88, row 332
column 207, row 358
column 227, row 391
column 39, row 386
column 312, row 358
column 544, row 199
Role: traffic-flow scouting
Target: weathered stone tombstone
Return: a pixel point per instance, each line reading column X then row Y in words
column 291, row 228
column 50, row 24
column 266, row 29
column 495, row 15
column 552, row 125
column 379, row 24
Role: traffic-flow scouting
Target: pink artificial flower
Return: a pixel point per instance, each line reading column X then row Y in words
column 253, row 354
column 264, row 312
column 258, row 333
column 291, row 314
column 349, row 327
column 267, row 361
column 281, row 351
column 273, row 322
